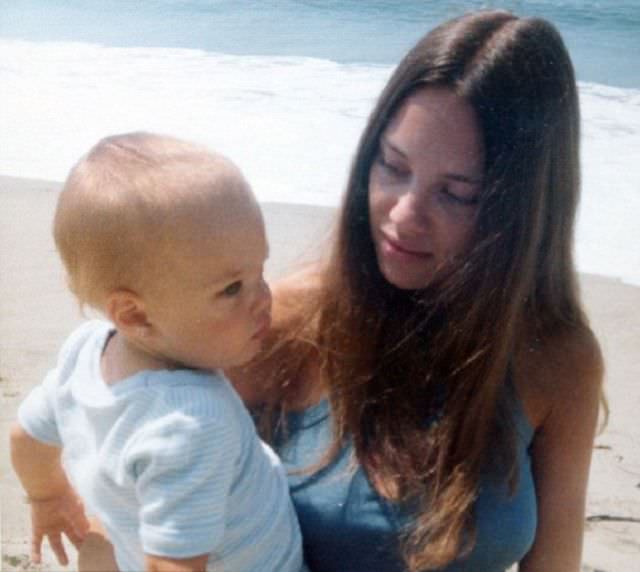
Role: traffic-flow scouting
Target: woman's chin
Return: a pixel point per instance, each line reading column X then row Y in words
column 404, row 280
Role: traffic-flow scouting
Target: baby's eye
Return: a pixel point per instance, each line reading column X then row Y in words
column 232, row 290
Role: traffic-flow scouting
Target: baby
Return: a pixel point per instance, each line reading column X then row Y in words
column 166, row 240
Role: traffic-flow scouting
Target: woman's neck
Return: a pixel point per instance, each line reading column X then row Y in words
column 309, row 393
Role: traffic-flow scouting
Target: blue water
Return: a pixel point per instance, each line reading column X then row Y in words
column 603, row 36
column 284, row 88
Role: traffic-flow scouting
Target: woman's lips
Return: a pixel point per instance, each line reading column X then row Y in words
column 395, row 249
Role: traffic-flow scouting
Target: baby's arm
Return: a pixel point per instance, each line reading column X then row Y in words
column 96, row 555
column 55, row 508
column 164, row 564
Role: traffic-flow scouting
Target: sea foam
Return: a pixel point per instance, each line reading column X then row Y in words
column 291, row 123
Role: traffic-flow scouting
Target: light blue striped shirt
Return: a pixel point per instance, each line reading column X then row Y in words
column 168, row 460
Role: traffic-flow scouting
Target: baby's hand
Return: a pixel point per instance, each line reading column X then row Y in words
column 53, row 517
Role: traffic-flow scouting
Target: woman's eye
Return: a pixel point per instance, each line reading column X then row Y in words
column 458, row 199
column 232, row 290
column 390, row 168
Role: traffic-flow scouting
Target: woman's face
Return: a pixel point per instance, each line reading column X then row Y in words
column 424, row 186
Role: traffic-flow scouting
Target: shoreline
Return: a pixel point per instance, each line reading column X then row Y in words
column 37, row 312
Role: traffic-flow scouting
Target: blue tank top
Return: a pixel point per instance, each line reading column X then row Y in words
column 347, row 527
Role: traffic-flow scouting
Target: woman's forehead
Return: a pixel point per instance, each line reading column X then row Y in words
column 435, row 122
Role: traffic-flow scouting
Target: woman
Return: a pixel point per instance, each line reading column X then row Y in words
column 439, row 380
column 433, row 387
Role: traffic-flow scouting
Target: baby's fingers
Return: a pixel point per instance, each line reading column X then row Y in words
column 79, row 521
column 76, row 538
column 55, row 540
column 36, row 547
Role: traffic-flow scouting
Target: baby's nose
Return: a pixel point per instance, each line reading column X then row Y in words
column 263, row 298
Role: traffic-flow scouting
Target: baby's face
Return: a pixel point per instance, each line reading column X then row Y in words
column 213, row 306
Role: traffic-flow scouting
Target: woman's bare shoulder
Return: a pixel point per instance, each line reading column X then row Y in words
column 296, row 285
column 560, row 370
column 291, row 296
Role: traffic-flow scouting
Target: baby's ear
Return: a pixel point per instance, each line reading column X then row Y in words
column 126, row 310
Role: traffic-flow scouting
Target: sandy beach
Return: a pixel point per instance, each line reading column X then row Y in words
column 37, row 312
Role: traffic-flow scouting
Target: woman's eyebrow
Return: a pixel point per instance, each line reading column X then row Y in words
column 385, row 142
column 458, row 177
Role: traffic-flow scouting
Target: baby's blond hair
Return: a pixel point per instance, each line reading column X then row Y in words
column 126, row 200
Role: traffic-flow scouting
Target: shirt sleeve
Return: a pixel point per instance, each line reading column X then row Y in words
column 36, row 414
column 183, row 468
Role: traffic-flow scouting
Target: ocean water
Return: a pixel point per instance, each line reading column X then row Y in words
column 285, row 87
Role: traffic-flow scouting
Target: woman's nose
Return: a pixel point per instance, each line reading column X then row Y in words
column 410, row 212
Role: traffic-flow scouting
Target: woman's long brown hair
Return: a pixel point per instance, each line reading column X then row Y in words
column 418, row 379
